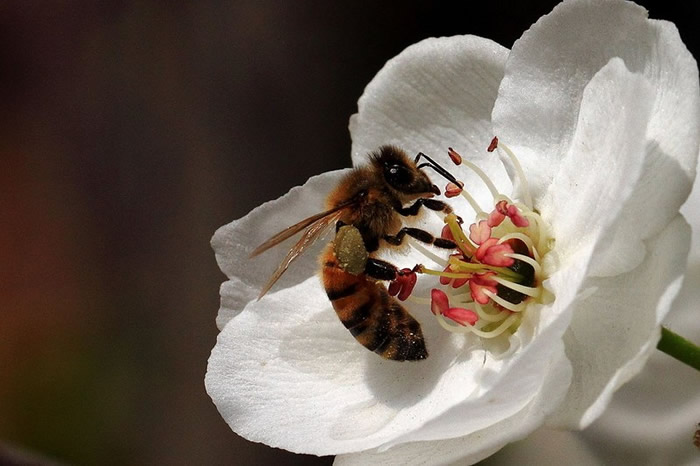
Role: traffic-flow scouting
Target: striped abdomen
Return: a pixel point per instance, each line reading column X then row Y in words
column 373, row 317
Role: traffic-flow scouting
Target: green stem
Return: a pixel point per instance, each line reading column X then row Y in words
column 678, row 347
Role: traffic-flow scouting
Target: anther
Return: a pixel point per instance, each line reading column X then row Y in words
column 495, row 271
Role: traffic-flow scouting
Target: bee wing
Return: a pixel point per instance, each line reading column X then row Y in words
column 297, row 227
column 317, row 226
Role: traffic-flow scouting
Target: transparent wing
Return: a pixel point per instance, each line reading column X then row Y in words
column 297, row 227
column 314, row 231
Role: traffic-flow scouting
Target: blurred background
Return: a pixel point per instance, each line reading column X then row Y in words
column 129, row 132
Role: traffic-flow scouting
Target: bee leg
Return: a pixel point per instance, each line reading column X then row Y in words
column 381, row 270
column 422, row 236
column 432, row 204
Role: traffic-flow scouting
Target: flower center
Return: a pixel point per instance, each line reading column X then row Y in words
column 496, row 271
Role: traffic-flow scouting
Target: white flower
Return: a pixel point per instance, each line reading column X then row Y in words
column 601, row 107
column 651, row 420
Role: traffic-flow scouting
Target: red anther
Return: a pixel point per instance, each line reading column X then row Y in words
column 452, row 190
column 409, row 283
column 395, row 286
column 458, row 282
column 502, row 207
column 491, row 253
column 462, row 316
column 495, row 218
column 484, row 247
column 481, row 282
column 515, row 217
column 402, row 286
column 446, row 280
column 493, row 145
column 447, row 233
column 456, row 158
column 439, row 303
column 479, row 232
column 503, row 210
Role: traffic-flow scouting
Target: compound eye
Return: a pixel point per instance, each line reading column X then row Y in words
column 398, row 175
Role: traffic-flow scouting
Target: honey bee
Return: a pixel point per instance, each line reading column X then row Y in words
column 366, row 208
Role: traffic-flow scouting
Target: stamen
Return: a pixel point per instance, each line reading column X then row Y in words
column 541, row 229
column 460, row 238
column 495, row 272
column 483, row 315
column 456, row 158
column 529, row 260
column 524, row 238
column 452, row 190
column 505, row 325
column 472, row 201
column 480, row 173
column 519, row 171
column 503, row 271
column 441, row 273
column 526, row 290
column 506, row 304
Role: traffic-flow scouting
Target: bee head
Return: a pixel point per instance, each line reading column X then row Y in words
column 401, row 173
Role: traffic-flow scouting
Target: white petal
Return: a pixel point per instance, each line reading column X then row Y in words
column 234, row 242
column 287, row 373
column 650, row 419
column 436, row 94
column 615, row 329
column 279, row 357
column 552, row 63
column 472, row 448
column 604, row 161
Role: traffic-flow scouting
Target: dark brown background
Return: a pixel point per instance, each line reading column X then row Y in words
column 129, row 132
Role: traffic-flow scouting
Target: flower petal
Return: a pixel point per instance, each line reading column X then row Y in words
column 474, row 447
column 650, row 419
column 234, row 242
column 593, row 182
column 437, row 93
column 280, row 356
column 615, row 329
column 550, row 66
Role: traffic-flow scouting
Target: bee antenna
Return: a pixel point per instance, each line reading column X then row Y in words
column 435, row 166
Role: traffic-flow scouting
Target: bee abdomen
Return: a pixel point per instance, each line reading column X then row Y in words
column 392, row 333
column 375, row 319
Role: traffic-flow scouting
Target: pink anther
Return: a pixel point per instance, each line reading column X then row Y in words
column 462, row 316
column 480, row 282
column 402, row 286
column 493, row 145
column 456, row 158
column 492, row 253
column 452, row 190
column 479, row 232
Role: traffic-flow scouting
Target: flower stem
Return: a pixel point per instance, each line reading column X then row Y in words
column 678, row 347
